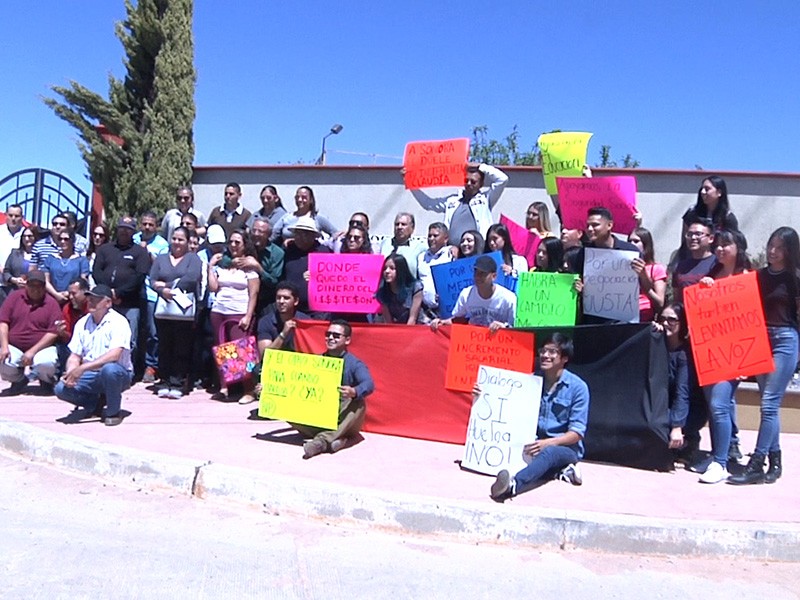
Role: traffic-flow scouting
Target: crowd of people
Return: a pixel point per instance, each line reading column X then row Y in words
column 183, row 283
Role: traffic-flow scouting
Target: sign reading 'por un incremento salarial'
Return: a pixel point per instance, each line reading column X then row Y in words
column 503, row 419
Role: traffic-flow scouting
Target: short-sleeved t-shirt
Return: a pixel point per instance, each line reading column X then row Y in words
column 232, row 296
column 28, row 322
column 657, row 272
column 501, row 306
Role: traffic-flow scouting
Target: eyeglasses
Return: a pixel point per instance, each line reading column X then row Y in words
column 63, row 239
column 98, row 234
column 357, row 224
column 695, row 234
column 669, row 320
column 549, row 352
column 59, row 223
column 355, row 238
column 334, row 335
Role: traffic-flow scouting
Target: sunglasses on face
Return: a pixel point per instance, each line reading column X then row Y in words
column 334, row 335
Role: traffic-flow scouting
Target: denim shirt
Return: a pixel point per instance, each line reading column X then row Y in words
column 565, row 409
column 357, row 375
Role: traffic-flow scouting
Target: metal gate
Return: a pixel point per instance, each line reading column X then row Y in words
column 43, row 194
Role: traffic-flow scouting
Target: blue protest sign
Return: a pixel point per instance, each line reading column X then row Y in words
column 450, row 278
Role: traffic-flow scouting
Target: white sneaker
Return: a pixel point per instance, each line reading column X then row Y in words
column 163, row 392
column 714, row 473
column 572, row 474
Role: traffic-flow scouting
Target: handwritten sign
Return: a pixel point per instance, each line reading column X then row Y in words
column 450, row 278
column 525, row 242
column 577, row 195
column 503, row 419
column 563, row 155
column 344, row 282
column 436, row 163
column 610, row 285
column 472, row 346
column 301, row 388
column 727, row 330
column 546, row 300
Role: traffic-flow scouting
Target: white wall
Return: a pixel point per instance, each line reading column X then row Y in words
column 761, row 201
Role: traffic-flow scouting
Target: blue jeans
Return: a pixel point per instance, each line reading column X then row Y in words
column 772, row 386
column 721, row 403
column 544, row 466
column 111, row 379
column 151, row 343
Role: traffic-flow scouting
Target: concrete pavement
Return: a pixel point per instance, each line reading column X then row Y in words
column 216, row 450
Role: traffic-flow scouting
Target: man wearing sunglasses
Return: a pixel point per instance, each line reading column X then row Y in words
column 356, row 385
column 563, row 415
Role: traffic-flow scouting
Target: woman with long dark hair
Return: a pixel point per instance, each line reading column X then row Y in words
column 779, row 286
column 400, row 294
column 499, row 238
column 356, row 240
column 306, row 205
column 672, row 322
column 652, row 275
column 271, row 207
column 470, row 244
column 549, row 256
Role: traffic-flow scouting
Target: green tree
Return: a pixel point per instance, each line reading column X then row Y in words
column 151, row 111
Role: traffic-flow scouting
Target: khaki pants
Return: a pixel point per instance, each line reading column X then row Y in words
column 351, row 418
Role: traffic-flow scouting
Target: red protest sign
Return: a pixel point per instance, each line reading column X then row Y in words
column 577, row 195
column 472, row 346
column 727, row 331
column 435, row 163
column 525, row 242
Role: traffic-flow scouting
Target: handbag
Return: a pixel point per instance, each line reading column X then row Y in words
column 236, row 360
column 181, row 308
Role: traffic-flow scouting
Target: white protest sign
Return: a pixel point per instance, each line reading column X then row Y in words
column 610, row 285
column 503, row 419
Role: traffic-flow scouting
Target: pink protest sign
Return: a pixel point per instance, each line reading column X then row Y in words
column 525, row 242
column 578, row 194
column 344, row 283
column 436, row 163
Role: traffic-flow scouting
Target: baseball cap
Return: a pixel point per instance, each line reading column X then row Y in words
column 485, row 264
column 128, row 222
column 101, row 291
column 35, row 276
column 215, row 234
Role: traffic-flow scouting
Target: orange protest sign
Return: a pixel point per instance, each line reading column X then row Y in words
column 436, row 163
column 472, row 346
column 727, row 329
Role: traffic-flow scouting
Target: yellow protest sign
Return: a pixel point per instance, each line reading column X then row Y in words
column 563, row 155
column 301, row 388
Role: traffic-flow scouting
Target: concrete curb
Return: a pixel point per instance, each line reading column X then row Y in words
column 404, row 513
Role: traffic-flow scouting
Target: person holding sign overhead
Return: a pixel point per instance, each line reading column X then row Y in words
column 563, row 416
column 484, row 303
column 356, row 385
column 779, row 286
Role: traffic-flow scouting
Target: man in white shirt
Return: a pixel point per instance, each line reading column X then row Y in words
column 484, row 303
column 438, row 253
column 402, row 243
column 10, row 232
column 184, row 202
column 99, row 360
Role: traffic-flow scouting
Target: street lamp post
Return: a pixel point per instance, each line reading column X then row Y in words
column 334, row 131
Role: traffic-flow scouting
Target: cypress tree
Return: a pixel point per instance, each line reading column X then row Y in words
column 152, row 111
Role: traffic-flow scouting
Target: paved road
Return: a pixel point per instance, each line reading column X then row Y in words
column 63, row 536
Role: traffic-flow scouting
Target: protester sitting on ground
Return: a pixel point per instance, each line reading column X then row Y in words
column 100, row 236
column 271, row 207
column 28, row 321
column 549, row 256
column 276, row 327
column 295, row 262
column 123, row 266
column 306, row 205
column 20, row 260
column 174, row 274
column 438, row 253
column 563, row 416
column 61, row 268
column 402, row 241
column 81, row 243
column 779, row 288
column 470, row 244
column 355, row 241
column 268, row 262
column 184, row 204
column 232, row 214
column 652, row 275
column 672, row 322
column 498, row 238
column 235, row 297
column 730, row 249
column 356, row 385
column 71, row 312
column 485, row 303
column 537, row 220
column 690, row 271
column 400, row 294
column 99, row 364
column 50, row 245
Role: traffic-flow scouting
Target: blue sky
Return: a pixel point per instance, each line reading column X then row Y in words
column 674, row 84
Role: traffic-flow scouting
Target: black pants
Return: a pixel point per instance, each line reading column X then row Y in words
column 175, row 346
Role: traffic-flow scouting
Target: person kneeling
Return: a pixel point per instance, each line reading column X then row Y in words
column 100, row 359
column 356, row 385
column 563, row 414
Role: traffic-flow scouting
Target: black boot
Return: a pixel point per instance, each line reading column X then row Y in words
column 753, row 472
column 775, row 469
